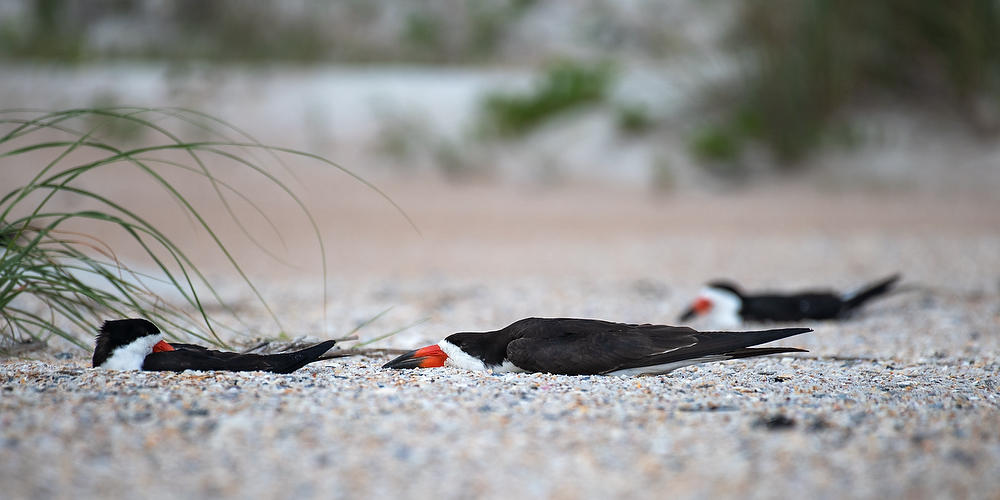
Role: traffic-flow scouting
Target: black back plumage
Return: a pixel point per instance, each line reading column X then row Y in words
column 807, row 305
column 573, row 346
column 193, row 357
column 811, row 304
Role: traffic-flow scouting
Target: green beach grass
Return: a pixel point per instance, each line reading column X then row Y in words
column 56, row 281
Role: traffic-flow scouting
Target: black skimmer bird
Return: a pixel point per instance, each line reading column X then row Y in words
column 570, row 346
column 726, row 306
column 137, row 344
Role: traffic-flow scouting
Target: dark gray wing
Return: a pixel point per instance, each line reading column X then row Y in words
column 601, row 347
column 199, row 358
column 813, row 305
column 582, row 347
column 192, row 348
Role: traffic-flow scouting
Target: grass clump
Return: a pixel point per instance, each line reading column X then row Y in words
column 57, row 279
column 564, row 87
column 809, row 62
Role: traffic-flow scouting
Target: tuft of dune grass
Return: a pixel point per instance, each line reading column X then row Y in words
column 55, row 281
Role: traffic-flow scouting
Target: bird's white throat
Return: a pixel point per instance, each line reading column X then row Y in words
column 725, row 312
column 130, row 356
column 462, row 359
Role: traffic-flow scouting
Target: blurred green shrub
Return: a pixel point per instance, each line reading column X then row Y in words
column 715, row 143
column 634, row 118
column 439, row 32
column 565, row 86
column 43, row 33
column 254, row 31
column 810, row 60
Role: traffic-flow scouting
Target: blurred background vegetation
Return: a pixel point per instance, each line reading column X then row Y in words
column 664, row 95
column 303, row 31
column 808, row 63
column 731, row 88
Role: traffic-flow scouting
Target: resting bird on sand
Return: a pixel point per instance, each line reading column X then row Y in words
column 137, row 344
column 591, row 347
column 726, row 306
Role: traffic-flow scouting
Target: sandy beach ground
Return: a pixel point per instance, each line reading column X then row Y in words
column 900, row 401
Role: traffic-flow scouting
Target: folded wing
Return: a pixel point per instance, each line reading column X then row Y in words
column 604, row 347
column 192, row 357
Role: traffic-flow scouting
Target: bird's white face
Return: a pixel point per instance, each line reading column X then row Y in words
column 130, row 356
column 459, row 358
column 719, row 307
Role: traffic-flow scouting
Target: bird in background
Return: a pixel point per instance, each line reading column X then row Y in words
column 724, row 305
column 571, row 346
column 137, row 344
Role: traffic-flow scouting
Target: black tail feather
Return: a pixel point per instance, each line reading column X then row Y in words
column 291, row 361
column 761, row 351
column 733, row 343
column 855, row 299
column 754, row 337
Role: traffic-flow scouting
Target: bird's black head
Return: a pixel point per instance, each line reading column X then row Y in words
column 728, row 286
column 465, row 341
column 488, row 348
column 116, row 333
column 474, row 351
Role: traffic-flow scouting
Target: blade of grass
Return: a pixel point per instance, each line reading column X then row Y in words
column 390, row 334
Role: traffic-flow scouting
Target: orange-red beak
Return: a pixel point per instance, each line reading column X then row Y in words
column 162, row 346
column 425, row 357
column 701, row 306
